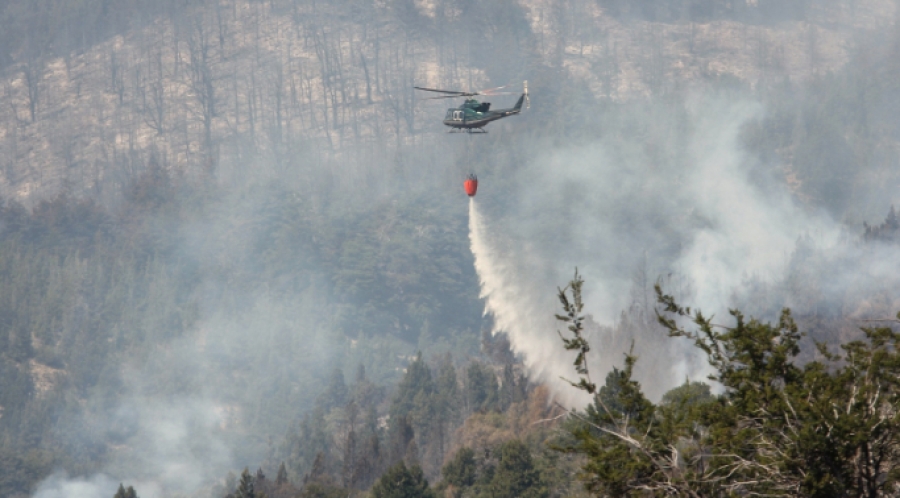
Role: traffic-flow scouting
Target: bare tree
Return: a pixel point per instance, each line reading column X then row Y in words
column 202, row 82
column 152, row 93
column 33, row 72
column 116, row 76
column 276, row 131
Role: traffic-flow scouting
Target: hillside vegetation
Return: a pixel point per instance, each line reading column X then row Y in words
column 232, row 235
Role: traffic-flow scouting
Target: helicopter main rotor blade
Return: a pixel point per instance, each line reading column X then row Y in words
column 491, row 91
column 450, row 94
column 454, row 92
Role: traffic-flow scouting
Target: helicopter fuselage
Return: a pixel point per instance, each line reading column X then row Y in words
column 473, row 114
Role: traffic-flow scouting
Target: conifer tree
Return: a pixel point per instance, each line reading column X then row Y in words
column 370, row 460
column 417, row 380
column 350, row 471
column 515, row 475
column 820, row 429
column 318, row 472
column 481, row 387
column 512, row 390
column 400, row 482
column 460, row 471
column 245, row 486
column 281, row 478
column 124, row 492
column 261, row 484
column 401, row 437
column 446, row 403
column 336, row 393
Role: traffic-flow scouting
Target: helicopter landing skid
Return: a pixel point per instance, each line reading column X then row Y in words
column 468, row 130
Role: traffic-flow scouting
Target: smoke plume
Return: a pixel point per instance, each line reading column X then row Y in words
column 667, row 195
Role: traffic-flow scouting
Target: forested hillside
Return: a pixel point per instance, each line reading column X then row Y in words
column 291, row 88
column 233, row 238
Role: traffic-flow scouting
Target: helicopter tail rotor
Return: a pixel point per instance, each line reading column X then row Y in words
column 527, row 98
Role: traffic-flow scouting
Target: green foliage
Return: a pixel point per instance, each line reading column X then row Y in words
column 125, row 493
column 838, row 119
column 575, row 321
column 460, row 470
column 481, row 387
column 448, row 393
column 336, row 393
column 416, row 382
column 887, row 231
column 507, row 470
column 320, row 490
column 513, row 388
column 401, row 440
column 515, row 474
column 308, row 443
column 18, row 470
column 397, row 268
column 84, row 288
column 681, row 408
column 245, row 486
column 779, row 429
column 617, row 435
column 823, row 429
column 400, row 482
column 281, row 478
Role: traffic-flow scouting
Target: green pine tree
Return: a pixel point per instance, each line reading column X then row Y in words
column 400, row 482
column 515, row 475
column 417, row 380
column 820, row 429
column 245, row 486
column 281, row 478
column 124, row 492
column 481, row 387
column 462, row 469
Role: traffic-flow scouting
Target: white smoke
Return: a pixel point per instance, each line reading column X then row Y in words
column 174, row 448
column 183, row 417
column 178, row 445
column 59, row 485
column 669, row 193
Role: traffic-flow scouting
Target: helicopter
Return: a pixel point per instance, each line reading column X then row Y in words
column 471, row 116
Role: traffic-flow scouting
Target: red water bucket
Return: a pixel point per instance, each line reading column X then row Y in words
column 471, row 185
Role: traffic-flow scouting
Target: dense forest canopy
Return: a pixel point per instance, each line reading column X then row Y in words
column 236, row 258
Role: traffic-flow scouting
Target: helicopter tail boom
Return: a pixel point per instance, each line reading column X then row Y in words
column 518, row 106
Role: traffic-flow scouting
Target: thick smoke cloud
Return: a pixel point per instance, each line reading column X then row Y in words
column 665, row 191
column 61, row 486
column 200, row 404
column 175, row 447
column 668, row 193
